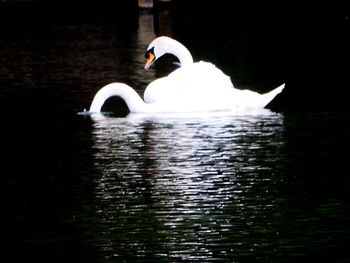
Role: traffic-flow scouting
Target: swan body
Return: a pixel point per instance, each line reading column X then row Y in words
column 192, row 77
column 245, row 101
column 193, row 87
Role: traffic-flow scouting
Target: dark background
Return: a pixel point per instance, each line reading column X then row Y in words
column 305, row 46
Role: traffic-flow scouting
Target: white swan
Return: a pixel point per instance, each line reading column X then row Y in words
column 193, row 80
column 167, row 104
column 194, row 87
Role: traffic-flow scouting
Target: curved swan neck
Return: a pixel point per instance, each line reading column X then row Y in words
column 181, row 52
column 163, row 45
column 131, row 98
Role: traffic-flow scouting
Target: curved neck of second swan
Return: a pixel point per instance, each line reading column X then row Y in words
column 181, row 52
column 131, row 98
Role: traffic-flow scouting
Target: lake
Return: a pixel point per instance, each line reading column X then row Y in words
column 268, row 187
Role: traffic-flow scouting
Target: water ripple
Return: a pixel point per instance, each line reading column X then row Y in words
column 186, row 189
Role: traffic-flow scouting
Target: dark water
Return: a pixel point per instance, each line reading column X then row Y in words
column 266, row 188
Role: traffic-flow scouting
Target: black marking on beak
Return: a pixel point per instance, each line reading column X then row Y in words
column 148, row 52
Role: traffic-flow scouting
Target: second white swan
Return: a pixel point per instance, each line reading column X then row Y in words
column 194, row 87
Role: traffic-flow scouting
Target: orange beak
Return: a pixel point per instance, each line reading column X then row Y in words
column 150, row 60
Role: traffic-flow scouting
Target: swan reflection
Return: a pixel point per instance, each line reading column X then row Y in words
column 187, row 183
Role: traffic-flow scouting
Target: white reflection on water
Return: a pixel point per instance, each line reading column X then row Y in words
column 189, row 183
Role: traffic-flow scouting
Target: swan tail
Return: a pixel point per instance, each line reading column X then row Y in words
column 268, row 97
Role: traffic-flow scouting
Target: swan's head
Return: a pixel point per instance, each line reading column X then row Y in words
column 156, row 49
column 162, row 45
